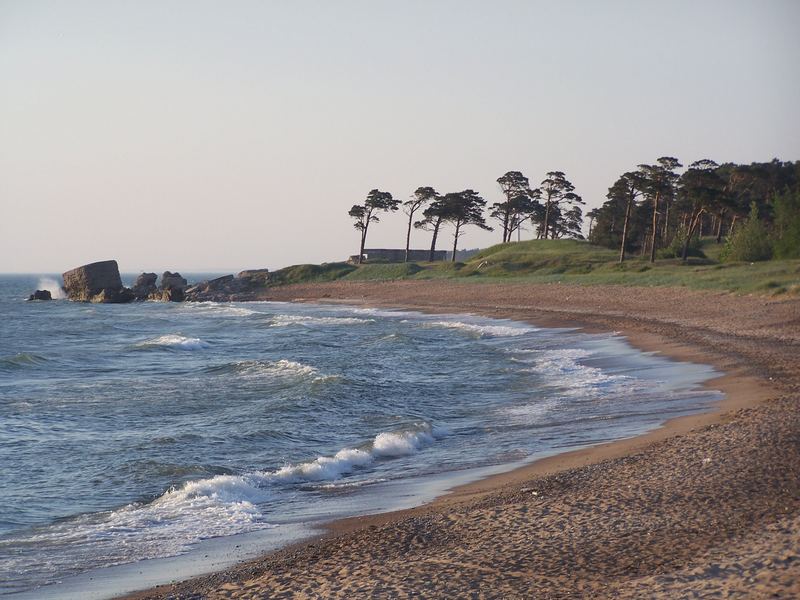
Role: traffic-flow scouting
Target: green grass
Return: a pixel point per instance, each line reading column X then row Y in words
column 542, row 257
column 383, row 271
column 310, row 273
column 572, row 261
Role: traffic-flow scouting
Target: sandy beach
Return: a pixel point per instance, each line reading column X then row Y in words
column 707, row 506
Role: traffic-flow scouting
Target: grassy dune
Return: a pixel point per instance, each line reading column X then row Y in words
column 571, row 261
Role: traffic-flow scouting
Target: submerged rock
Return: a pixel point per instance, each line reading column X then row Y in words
column 96, row 282
column 40, row 295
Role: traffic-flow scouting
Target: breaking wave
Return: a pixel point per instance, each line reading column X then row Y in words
column 169, row 525
column 219, row 308
column 217, row 506
column 175, row 342
column 485, row 330
column 270, row 369
column 391, row 444
column 287, row 320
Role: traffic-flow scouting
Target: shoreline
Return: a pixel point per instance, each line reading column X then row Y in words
column 743, row 391
column 739, row 390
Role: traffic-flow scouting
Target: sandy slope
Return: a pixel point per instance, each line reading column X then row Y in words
column 706, row 507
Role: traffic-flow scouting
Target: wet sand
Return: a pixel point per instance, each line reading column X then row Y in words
column 707, row 506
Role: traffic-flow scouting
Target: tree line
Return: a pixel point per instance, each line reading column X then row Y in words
column 656, row 211
column 553, row 209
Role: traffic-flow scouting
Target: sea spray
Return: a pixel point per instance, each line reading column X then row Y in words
column 52, row 286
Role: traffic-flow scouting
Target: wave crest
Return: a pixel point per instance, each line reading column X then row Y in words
column 175, row 342
column 484, row 330
column 304, row 320
column 392, row 444
column 279, row 369
column 22, row 360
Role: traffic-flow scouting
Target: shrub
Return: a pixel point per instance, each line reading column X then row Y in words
column 750, row 242
column 675, row 247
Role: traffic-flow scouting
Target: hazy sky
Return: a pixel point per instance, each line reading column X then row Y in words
column 196, row 135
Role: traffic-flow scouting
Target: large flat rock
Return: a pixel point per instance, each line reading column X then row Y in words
column 95, row 282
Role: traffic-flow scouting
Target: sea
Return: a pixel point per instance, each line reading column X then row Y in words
column 147, row 442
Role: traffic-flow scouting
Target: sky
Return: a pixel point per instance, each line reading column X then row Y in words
column 218, row 136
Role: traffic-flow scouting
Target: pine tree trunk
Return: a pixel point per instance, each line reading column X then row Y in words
column 719, row 226
column 455, row 241
column 363, row 241
column 625, row 230
column 655, row 228
column 433, row 241
column 408, row 235
column 697, row 219
column 546, row 219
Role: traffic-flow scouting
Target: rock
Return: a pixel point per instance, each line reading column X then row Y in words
column 172, row 288
column 218, row 289
column 254, row 277
column 96, row 282
column 40, row 295
column 109, row 296
column 144, row 285
column 173, row 295
column 219, row 284
column 173, row 281
column 229, row 288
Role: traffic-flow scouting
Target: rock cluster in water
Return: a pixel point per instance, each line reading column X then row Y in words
column 229, row 288
column 100, row 282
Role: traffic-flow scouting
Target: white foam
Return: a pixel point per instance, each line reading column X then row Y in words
column 400, row 444
column 377, row 312
column 344, row 485
column 532, row 413
column 485, row 330
column 175, row 341
column 279, row 369
column 325, row 467
column 218, row 308
column 225, row 489
column 287, row 320
column 563, row 367
column 52, row 286
column 390, row 444
column 168, row 526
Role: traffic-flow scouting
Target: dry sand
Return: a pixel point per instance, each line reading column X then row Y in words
column 705, row 507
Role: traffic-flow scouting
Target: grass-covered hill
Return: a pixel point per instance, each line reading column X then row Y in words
column 570, row 261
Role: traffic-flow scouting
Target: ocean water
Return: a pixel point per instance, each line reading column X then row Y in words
column 130, row 434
